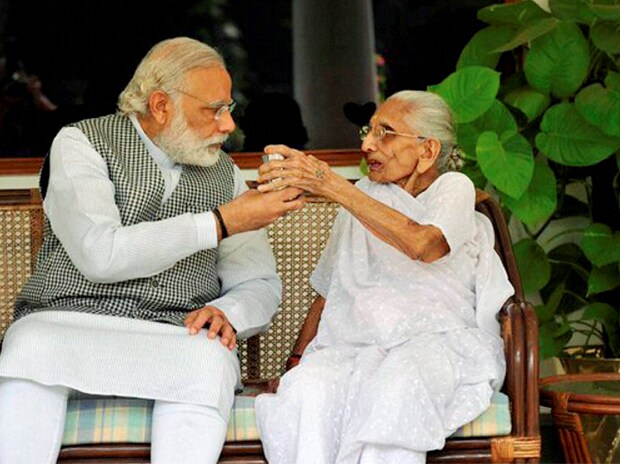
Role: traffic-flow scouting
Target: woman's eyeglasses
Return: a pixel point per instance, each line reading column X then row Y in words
column 379, row 133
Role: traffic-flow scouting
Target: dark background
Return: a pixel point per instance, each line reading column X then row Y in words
column 85, row 52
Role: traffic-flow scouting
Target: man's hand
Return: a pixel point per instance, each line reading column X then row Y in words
column 218, row 325
column 253, row 210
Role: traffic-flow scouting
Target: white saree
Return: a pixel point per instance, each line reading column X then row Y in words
column 406, row 351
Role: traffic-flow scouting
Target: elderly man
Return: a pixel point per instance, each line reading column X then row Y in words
column 138, row 291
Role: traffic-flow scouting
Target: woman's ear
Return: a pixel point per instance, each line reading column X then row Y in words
column 432, row 148
column 160, row 106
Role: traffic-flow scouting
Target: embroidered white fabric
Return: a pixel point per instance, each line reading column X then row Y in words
column 401, row 358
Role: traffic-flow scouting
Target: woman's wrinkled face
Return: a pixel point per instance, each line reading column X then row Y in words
column 393, row 158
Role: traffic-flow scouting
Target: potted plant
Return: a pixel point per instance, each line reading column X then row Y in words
column 536, row 99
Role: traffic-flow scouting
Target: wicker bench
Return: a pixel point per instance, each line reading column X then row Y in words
column 99, row 430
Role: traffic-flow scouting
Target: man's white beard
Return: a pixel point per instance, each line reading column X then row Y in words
column 183, row 146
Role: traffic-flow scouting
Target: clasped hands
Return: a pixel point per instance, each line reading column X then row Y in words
column 297, row 169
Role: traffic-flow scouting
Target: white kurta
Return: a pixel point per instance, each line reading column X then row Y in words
column 401, row 358
column 120, row 356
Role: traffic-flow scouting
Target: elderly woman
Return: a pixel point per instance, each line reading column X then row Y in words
column 408, row 347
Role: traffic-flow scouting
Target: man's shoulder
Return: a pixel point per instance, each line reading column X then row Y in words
column 115, row 119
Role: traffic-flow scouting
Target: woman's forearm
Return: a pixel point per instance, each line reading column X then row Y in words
column 422, row 242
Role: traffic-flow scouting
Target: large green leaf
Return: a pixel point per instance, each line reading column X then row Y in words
column 511, row 13
column 601, row 245
column 479, row 51
column 533, row 265
column 605, row 36
column 470, row 92
column 608, row 12
column 558, row 61
column 508, row 164
column 539, row 202
column 603, row 279
column 601, row 107
column 530, row 102
column 527, row 33
column 574, row 10
column 497, row 119
column 567, row 138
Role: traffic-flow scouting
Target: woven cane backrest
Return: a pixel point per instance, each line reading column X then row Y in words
column 21, row 232
column 297, row 241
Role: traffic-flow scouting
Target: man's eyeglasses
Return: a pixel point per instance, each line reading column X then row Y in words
column 219, row 109
column 379, row 133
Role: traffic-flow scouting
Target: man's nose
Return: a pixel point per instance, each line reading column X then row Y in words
column 226, row 123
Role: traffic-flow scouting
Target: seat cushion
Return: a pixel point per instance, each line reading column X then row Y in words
column 99, row 420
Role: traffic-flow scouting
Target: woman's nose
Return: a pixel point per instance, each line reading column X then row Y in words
column 369, row 143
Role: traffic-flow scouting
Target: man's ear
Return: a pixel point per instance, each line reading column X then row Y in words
column 432, row 148
column 160, row 106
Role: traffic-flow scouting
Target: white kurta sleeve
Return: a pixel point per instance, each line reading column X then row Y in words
column 251, row 289
column 82, row 211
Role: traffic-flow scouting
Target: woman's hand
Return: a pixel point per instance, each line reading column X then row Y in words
column 218, row 325
column 298, row 170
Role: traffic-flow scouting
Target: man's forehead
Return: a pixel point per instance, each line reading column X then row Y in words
column 213, row 77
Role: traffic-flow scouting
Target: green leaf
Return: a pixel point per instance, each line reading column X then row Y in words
column 539, row 202
column 530, row 102
column 558, row 62
column 543, row 313
column 364, row 167
column 601, row 312
column 605, row 36
column 533, row 265
column 472, row 170
column 572, row 10
column 609, row 12
column 511, row 13
column 470, row 92
column 601, row 107
column 549, row 345
column 479, row 50
column 600, row 244
column 509, row 165
column 567, row 138
column 497, row 119
column 553, row 302
column 612, row 80
column 528, row 32
column 603, row 279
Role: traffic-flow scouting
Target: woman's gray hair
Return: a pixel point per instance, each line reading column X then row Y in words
column 164, row 68
column 430, row 116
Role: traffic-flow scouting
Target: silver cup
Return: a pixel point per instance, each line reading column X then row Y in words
column 273, row 157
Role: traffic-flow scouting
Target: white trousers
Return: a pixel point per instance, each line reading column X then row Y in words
column 32, row 419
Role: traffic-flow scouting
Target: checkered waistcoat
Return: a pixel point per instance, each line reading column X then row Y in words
column 139, row 187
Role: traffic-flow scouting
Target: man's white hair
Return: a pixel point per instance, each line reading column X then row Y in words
column 430, row 116
column 164, row 68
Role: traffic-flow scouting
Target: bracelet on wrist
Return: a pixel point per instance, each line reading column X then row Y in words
column 220, row 220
